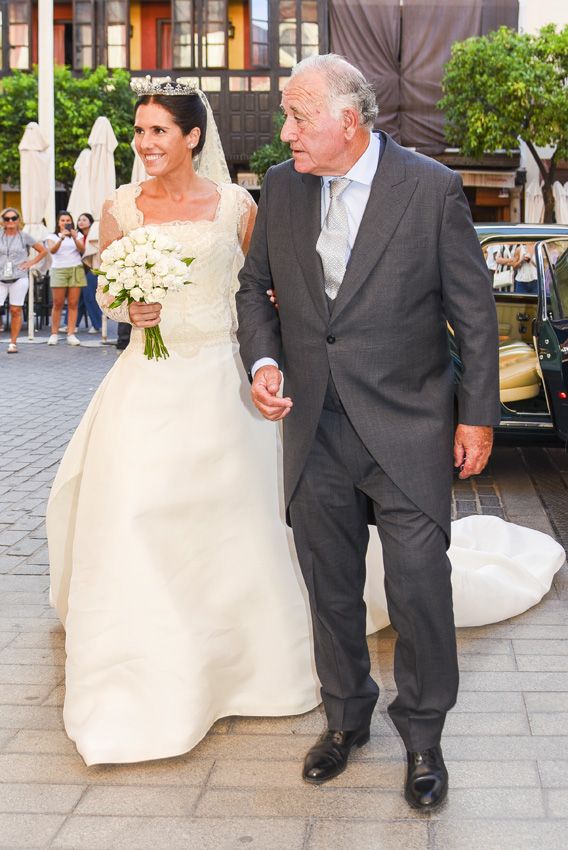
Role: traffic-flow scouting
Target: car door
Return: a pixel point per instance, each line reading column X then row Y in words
column 551, row 327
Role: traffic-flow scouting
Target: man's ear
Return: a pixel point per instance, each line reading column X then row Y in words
column 350, row 122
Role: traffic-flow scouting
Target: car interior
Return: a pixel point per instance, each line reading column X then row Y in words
column 520, row 382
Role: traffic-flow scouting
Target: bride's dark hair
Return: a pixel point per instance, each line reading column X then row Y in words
column 187, row 110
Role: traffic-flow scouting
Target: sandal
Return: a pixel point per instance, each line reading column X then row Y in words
column 12, row 348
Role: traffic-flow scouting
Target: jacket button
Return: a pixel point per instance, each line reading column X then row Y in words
column 330, row 339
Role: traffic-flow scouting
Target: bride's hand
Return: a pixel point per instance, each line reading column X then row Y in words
column 144, row 315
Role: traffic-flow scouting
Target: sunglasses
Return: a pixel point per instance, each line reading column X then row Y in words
column 9, row 218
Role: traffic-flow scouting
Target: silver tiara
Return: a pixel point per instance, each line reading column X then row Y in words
column 166, row 86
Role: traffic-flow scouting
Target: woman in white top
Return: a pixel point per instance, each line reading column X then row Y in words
column 67, row 275
column 524, row 265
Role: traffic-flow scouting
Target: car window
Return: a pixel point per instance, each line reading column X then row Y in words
column 512, row 266
column 555, row 265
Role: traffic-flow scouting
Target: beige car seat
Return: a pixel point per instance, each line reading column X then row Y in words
column 518, row 372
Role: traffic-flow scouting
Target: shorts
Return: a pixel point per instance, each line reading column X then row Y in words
column 75, row 276
column 15, row 291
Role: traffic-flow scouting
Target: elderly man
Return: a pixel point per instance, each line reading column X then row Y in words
column 371, row 250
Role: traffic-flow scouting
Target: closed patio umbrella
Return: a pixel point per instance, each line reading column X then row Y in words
column 34, row 189
column 80, row 197
column 534, row 203
column 560, row 202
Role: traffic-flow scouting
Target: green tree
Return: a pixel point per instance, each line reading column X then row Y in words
column 507, row 86
column 79, row 100
column 273, row 153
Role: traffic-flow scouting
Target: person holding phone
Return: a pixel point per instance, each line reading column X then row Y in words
column 67, row 275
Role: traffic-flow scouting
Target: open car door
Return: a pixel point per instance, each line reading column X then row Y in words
column 551, row 327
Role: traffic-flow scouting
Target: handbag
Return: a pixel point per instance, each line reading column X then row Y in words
column 504, row 277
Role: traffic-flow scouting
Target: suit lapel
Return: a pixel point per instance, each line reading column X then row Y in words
column 389, row 197
column 305, row 215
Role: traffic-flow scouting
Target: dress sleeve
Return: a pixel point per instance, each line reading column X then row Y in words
column 109, row 231
column 246, row 215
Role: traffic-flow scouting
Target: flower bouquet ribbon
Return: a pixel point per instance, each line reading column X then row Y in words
column 144, row 266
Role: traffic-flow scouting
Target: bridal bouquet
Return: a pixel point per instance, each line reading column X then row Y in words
column 144, row 266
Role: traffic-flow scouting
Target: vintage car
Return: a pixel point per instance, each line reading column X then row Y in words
column 533, row 324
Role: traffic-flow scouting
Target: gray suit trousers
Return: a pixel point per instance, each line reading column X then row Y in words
column 329, row 514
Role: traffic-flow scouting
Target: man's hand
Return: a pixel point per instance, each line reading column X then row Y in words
column 144, row 315
column 472, row 447
column 264, row 393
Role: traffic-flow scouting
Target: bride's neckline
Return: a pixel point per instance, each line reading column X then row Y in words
column 140, row 214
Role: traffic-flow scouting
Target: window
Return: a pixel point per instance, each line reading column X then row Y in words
column 164, row 46
column 298, row 31
column 19, row 16
column 259, row 34
column 214, row 39
column 555, row 261
column 117, row 26
column 182, row 42
column 83, row 34
column 63, row 42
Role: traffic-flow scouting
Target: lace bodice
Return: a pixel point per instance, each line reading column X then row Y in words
column 203, row 313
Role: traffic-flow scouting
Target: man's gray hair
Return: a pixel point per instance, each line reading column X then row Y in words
column 346, row 85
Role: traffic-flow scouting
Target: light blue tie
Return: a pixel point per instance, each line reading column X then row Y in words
column 333, row 242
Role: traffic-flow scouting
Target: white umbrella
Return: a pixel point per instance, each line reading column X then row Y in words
column 138, row 170
column 102, row 183
column 80, row 197
column 534, row 203
column 34, row 189
column 560, row 202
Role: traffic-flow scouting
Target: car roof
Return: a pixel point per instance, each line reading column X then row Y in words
column 485, row 232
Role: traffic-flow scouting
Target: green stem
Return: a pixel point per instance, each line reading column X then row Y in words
column 154, row 347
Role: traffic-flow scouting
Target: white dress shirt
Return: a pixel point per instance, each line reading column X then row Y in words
column 355, row 197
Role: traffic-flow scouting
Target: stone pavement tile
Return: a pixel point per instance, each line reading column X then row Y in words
column 538, row 647
column 543, row 663
column 56, row 696
column 6, row 638
column 553, row 773
column 367, row 835
column 487, row 724
column 54, row 639
column 513, row 629
column 487, row 803
column 17, row 624
column 40, row 799
column 549, row 723
column 557, row 802
column 521, row 681
column 483, row 646
column 509, row 748
column 23, row 612
column 9, row 563
column 261, row 774
column 26, row 830
column 546, row 702
column 26, row 548
column 493, row 774
column 312, row 723
column 323, row 801
column 503, row 702
column 24, row 583
column 24, row 694
column 492, row 663
column 9, row 598
column 167, row 800
column 123, row 833
column 501, row 835
column 26, row 655
column 30, row 717
column 53, row 741
column 7, row 538
column 6, row 736
column 286, row 747
column 38, row 767
column 31, row 569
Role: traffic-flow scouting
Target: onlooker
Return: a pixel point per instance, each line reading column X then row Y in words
column 88, row 294
column 67, row 275
column 14, row 265
column 524, row 264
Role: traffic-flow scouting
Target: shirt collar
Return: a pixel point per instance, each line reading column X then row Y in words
column 363, row 171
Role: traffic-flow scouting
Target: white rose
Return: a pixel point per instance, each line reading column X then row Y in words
column 129, row 261
column 147, row 282
column 114, row 287
column 139, row 257
column 161, row 269
column 138, row 236
column 118, row 251
column 136, row 293
column 163, row 243
column 127, row 244
column 169, row 281
column 128, row 273
column 153, row 256
column 157, row 294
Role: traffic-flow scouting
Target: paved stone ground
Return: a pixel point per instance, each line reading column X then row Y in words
column 505, row 742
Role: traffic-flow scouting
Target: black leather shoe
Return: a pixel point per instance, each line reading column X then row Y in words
column 426, row 779
column 328, row 757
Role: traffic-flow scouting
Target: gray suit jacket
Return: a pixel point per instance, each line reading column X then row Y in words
column 416, row 264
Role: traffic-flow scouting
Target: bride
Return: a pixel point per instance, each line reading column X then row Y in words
column 171, row 568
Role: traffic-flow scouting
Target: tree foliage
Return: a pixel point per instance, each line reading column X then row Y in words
column 79, row 100
column 509, row 85
column 273, row 153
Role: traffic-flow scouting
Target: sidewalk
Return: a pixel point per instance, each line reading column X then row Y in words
column 505, row 741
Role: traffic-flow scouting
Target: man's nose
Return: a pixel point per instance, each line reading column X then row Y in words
column 287, row 131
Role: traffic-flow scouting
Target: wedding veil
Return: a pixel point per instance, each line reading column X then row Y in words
column 211, row 162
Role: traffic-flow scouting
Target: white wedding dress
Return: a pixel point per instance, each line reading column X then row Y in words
column 171, row 566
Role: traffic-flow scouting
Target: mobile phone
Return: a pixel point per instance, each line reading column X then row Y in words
column 68, row 227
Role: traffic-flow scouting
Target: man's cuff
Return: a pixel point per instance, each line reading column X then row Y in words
column 264, row 361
